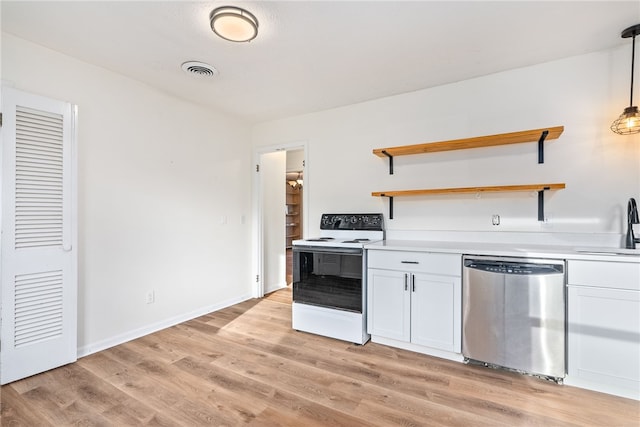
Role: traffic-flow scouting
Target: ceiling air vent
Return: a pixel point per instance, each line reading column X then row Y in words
column 199, row 69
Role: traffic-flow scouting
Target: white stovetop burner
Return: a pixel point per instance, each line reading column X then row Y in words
column 347, row 230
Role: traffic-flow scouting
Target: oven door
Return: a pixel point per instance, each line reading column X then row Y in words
column 328, row 277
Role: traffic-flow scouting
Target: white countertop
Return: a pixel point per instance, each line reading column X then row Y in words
column 510, row 249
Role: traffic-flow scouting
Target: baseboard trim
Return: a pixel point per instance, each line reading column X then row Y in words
column 602, row 387
column 276, row 288
column 456, row 357
column 155, row 327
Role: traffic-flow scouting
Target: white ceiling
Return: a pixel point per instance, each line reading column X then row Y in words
column 311, row 56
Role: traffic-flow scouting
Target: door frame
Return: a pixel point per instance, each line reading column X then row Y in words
column 257, row 239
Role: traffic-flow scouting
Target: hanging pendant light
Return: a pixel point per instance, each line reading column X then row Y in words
column 629, row 121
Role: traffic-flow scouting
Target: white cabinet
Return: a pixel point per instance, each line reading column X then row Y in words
column 389, row 304
column 414, row 301
column 603, row 351
column 433, row 311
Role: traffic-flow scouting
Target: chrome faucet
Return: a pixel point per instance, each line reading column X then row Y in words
column 632, row 218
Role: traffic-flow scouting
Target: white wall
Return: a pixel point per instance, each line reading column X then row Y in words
column 295, row 160
column 584, row 94
column 163, row 199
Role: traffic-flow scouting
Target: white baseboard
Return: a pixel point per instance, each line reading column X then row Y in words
column 155, row 327
column 276, row 287
column 629, row 393
column 456, row 357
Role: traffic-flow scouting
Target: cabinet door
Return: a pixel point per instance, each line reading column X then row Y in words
column 389, row 304
column 604, row 336
column 435, row 311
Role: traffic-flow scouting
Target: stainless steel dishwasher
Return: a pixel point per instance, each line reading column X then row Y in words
column 513, row 313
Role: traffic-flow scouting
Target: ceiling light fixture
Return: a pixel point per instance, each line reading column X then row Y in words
column 295, row 183
column 629, row 121
column 234, row 24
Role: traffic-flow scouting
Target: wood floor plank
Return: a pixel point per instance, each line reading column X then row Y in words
column 100, row 365
column 274, row 417
column 276, row 396
column 244, row 365
column 167, row 378
column 17, row 411
column 181, row 409
column 298, row 380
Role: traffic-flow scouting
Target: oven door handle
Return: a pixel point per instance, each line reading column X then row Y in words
column 327, row 250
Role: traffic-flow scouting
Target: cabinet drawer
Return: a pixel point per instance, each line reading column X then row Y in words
column 433, row 263
column 619, row 275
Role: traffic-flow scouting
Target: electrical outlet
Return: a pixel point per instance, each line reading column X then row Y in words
column 495, row 219
column 151, row 297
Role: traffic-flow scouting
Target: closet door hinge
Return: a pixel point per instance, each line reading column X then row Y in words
column 257, row 278
column 257, row 168
column 0, row 120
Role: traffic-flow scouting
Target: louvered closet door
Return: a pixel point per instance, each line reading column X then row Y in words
column 39, row 267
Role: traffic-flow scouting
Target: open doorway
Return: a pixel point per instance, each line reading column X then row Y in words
column 294, row 194
column 281, row 208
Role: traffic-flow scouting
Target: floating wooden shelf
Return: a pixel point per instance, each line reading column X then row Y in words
column 540, row 188
column 489, row 189
column 539, row 135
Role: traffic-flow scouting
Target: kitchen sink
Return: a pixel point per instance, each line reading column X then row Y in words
column 608, row 251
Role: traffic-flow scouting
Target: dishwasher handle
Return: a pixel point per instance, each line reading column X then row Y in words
column 514, row 267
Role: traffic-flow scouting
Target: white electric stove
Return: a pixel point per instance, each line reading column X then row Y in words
column 329, row 277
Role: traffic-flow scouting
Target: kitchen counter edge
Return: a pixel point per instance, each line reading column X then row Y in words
column 504, row 249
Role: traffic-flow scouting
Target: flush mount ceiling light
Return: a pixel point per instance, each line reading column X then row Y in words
column 629, row 121
column 234, row 24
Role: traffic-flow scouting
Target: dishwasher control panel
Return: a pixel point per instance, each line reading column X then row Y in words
column 514, row 267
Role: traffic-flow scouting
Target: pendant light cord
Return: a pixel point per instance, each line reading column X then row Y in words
column 633, row 60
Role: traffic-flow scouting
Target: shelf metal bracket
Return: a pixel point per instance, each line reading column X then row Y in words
column 541, row 203
column 541, row 146
column 390, row 204
column 390, row 161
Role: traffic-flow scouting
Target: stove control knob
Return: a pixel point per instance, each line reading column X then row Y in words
column 354, row 219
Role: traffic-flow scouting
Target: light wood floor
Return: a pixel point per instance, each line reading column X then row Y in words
column 244, row 365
